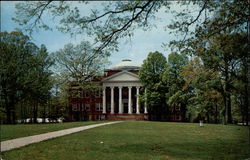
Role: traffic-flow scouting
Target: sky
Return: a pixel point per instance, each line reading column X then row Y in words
column 136, row 48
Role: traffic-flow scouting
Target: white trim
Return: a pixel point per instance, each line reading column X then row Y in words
column 122, row 84
column 120, row 73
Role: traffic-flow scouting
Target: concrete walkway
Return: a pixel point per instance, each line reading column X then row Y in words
column 19, row 142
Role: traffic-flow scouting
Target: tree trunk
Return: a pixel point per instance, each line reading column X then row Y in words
column 227, row 93
column 246, row 96
column 35, row 112
column 208, row 120
column 229, row 113
column 216, row 113
column 8, row 114
column 25, row 113
column 22, row 114
column 7, row 106
column 225, row 107
column 13, row 113
column 44, row 113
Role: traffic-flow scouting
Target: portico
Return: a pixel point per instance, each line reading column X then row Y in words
column 121, row 94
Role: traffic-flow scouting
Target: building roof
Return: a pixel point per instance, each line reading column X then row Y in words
column 126, row 64
column 122, row 76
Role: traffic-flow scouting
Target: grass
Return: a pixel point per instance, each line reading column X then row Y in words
column 136, row 140
column 22, row 130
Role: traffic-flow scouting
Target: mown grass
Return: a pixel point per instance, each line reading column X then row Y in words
column 143, row 141
column 22, row 130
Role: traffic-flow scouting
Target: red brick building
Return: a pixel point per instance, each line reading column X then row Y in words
column 117, row 97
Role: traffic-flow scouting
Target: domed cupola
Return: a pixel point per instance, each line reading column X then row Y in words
column 126, row 64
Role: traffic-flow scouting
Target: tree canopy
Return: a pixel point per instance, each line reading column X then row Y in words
column 25, row 73
column 79, row 62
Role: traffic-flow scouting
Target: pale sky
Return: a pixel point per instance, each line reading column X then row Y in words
column 135, row 49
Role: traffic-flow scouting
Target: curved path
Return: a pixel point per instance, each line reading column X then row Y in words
column 19, row 142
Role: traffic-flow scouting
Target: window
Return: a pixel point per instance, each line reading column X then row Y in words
column 98, row 93
column 177, row 108
column 82, row 107
column 98, row 117
column 108, row 107
column 87, row 107
column 98, row 107
column 74, row 93
column 86, row 94
column 178, row 117
column 74, row 107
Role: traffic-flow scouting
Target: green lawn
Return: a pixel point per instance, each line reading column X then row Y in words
column 138, row 140
column 22, row 130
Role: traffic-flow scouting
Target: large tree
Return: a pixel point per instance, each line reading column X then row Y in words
column 220, row 40
column 204, row 88
column 174, row 81
column 77, row 66
column 119, row 19
column 105, row 24
column 79, row 62
column 24, row 72
column 150, row 75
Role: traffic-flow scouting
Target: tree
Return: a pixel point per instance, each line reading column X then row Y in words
column 225, row 54
column 116, row 20
column 79, row 63
column 174, row 81
column 24, row 72
column 150, row 75
column 119, row 19
column 78, row 66
column 204, row 88
column 217, row 26
column 42, row 84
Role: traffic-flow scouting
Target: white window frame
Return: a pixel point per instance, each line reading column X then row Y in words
column 98, row 93
column 98, row 107
column 177, row 108
column 86, row 94
column 74, row 107
column 177, row 117
column 87, row 107
column 98, row 117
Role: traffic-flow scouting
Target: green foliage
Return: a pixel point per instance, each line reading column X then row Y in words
column 219, row 39
column 204, row 86
column 77, row 66
column 80, row 63
column 106, row 24
column 172, row 78
column 150, row 75
column 25, row 74
column 152, row 68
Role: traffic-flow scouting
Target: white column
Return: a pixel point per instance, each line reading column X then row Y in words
column 104, row 100
column 120, row 99
column 137, row 100
column 112, row 99
column 129, row 100
column 145, row 104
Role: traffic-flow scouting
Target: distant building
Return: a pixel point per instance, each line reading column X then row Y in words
column 117, row 97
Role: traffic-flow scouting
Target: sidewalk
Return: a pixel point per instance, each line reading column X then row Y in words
column 19, row 142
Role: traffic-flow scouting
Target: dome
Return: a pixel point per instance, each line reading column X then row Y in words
column 126, row 64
